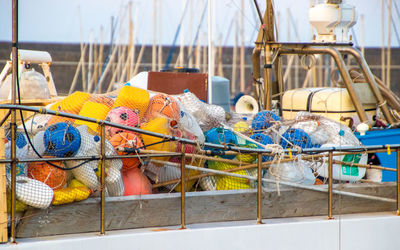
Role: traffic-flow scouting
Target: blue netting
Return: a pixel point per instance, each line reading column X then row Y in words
column 221, row 136
column 62, row 140
column 264, row 120
column 297, row 137
column 265, row 140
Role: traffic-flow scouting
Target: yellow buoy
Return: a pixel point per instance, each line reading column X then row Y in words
column 76, row 191
column 133, row 98
column 241, row 127
column 93, row 110
column 229, row 183
column 158, row 125
column 72, row 103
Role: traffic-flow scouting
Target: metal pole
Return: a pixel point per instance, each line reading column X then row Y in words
column 398, row 181
column 342, row 69
column 183, row 184
column 5, row 117
column 370, row 80
column 210, row 53
column 13, row 113
column 259, row 189
column 330, row 217
column 102, row 177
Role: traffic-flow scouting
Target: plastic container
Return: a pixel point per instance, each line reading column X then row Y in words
column 383, row 137
column 221, row 92
column 332, row 103
column 341, row 171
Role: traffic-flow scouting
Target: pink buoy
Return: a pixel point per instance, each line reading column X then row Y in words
column 135, row 182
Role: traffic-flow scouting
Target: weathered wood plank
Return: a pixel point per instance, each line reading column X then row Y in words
column 3, row 191
column 164, row 209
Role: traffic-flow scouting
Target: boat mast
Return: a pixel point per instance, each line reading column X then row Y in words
column 265, row 36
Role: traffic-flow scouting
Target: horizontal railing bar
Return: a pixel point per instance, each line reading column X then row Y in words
column 193, row 142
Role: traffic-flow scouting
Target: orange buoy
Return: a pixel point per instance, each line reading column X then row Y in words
column 102, row 99
column 127, row 140
column 135, row 182
column 56, row 119
column 162, row 104
column 42, row 171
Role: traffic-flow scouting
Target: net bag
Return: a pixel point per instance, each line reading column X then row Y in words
column 94, row 110
column 162, row 104
column 133, row 98
column 127, row 140
column 114, row 182
column 264, row 119
column 158, row 125
column 124, row 116
column 54, row 177
column 33, row 192
column 72, row 103
column 135, row 182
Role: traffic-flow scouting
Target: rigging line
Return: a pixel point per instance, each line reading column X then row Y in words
column 394, row 24
column 196, row 38
column 255, row 20
column 171, row 51
column 354, row 36
column 293, row 23
column 247, row 19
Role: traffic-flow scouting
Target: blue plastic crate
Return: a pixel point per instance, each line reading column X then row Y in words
column 383, row 137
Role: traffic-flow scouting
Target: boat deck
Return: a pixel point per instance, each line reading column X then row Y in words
column 352, row 231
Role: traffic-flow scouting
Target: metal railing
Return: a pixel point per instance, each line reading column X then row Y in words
column 221, row 149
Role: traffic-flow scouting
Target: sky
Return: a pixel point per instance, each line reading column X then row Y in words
column 74, row 21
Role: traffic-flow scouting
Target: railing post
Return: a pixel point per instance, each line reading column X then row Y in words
column 398, row 181
column 259, row 188
column 102, row 177
column 14, row 114
column 183, row 184
column 330, row 162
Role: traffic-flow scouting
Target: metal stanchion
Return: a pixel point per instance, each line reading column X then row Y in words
column 102, row 177
column 259, row 189
column 183, row 184
column 14, row 115
column 330, row 162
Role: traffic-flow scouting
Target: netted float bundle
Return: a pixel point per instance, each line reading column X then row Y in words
column 264, row 119
column 230, row 182
column 222, row 136
column 123, row 116
column 133, row 98
column 295, row 138
column 298, row 171
column 159, row 125
column 33, row 192
column 162, row 105
column 188, row 123
column 76, row 191
column 94, row 110
column 135, row 182
column 52, row 176
column 72, row 103
column 207, row 115
column 126, row 140
column 324, row 130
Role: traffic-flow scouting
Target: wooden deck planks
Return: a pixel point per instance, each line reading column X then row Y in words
column 160, row 210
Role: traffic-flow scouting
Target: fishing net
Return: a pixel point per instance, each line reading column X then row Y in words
column 56, row 182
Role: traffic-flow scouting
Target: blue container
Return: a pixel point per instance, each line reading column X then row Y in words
column 383, row 137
